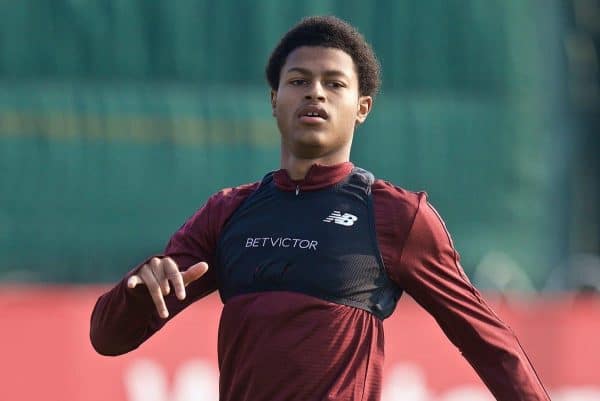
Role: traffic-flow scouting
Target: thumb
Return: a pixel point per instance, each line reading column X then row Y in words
column 194, row 272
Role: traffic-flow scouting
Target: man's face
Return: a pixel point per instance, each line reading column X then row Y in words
column 317, row 104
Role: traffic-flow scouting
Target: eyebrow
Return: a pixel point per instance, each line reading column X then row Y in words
column 306, row 71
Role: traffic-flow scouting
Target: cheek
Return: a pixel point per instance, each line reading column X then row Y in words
column 282, row 116
column 282, row 107
column 282, row 113
column 349, row 113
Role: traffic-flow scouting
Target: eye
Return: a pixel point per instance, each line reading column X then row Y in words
column 298, row 82
column 336, row 84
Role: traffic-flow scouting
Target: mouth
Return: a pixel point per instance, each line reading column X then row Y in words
column 312, row 115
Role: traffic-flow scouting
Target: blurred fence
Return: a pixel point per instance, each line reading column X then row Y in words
column 119, row 118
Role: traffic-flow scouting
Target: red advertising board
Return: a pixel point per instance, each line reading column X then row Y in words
column 46, row 353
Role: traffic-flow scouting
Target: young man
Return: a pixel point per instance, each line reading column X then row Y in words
column 310, row 260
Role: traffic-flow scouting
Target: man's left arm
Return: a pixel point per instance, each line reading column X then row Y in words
column 428, row 269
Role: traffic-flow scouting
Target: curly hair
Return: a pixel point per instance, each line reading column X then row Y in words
column 328, row 31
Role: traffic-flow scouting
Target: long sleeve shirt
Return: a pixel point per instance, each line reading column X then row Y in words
column 284, row 345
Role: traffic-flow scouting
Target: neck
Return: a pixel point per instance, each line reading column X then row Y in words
column 298, row 167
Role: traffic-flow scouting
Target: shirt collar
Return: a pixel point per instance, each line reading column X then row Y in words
column 318, row 176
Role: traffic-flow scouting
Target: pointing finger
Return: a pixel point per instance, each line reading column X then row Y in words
column 157, row 267
column 173, row 275
column 155, row 292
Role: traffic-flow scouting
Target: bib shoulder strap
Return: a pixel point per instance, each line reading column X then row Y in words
column 359, row 181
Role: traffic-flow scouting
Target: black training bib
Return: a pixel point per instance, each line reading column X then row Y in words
column 320, row 243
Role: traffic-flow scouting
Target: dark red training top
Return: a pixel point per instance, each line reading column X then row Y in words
column 281, row 345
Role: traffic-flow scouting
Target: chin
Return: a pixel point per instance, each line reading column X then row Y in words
column 309, row 148
column 312, row 141
column 311, row 134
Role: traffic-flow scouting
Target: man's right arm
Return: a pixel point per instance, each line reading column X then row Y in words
column 128, row 315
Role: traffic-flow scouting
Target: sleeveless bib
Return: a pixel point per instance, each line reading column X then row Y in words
column 320, row 243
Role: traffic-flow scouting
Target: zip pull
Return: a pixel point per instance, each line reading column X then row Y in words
column 297, row 189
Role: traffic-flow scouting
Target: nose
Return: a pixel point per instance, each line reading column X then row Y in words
column 315, row 91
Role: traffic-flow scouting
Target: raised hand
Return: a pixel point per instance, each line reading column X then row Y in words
column 159, row 274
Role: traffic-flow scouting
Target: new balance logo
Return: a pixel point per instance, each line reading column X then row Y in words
column 337, row 217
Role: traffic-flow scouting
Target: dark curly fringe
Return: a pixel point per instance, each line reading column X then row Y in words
column 328, row 32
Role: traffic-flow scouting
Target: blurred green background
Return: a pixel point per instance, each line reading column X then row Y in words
column 119, row 118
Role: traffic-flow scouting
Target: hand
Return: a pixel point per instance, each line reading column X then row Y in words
column 156, row 275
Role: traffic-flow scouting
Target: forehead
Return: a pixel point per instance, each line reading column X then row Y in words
column 318, row 59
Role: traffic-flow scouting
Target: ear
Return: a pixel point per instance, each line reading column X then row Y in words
column 273, row 102
column 364, row 107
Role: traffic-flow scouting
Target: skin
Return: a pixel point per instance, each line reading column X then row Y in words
column 313, row 78
column 326, row 78
column 158, row 275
